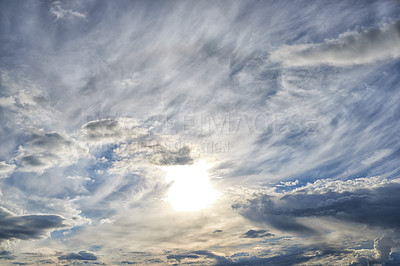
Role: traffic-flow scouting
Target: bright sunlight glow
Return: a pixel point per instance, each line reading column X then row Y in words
column 191, row 189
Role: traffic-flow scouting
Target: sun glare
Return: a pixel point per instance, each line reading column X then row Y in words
column 191, row 189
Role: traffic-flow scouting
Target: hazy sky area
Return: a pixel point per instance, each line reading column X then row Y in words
column 200, row 132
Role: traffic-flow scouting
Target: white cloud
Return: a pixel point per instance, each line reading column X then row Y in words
column 288, row 183
column 7, row 101
column 59, row 12
column 330, row 185
column 6, row 169
column 351, row 48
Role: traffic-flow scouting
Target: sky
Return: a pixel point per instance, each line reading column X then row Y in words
column 199, row 132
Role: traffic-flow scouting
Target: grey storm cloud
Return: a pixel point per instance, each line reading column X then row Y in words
column 256, row 234
column 379, row 207
column 26, row 226
column 81, row 255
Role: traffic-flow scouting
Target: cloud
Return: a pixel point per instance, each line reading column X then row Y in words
column 180, row 257
column 288, row 183
column 294, row 256
column 382, row 247
column 81, row 255
column 46, row 150
column 376, row 156
column 147, row 153
column 7, row 101
column 26, row 227
column 59, row 12
column 351, row 48
column 327, row 185
column 110, row 131
column 6, row 169
column 200, row 256
column 128, row 262
column 377, row 206
column 262, row 209
column 256, row 234
column 167, row 157
column 68, row 66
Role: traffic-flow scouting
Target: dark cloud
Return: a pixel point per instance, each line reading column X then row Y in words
column 26, row 226
column 256, row 234
column 128, row 262
column 49, row 140
column 383, row 246
column 168, row 157
column 112, row 130
column 81, row 255
column 31, row 160
column 240, row 254
column 4, row 253
column 394, row 259
column 290, row 258
column 378, row 207
column 153, row 261
column 101, row 129
column 46, row 261
column 263, row 209
column 220, row 260
column 200, row 255
column 45, row 150
column 180, row 257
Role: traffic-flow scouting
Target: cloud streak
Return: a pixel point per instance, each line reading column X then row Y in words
column 350, row 48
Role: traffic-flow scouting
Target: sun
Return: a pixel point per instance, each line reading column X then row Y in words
column 191, row 189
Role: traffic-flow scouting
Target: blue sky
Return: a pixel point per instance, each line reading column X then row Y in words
column 199, row 132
